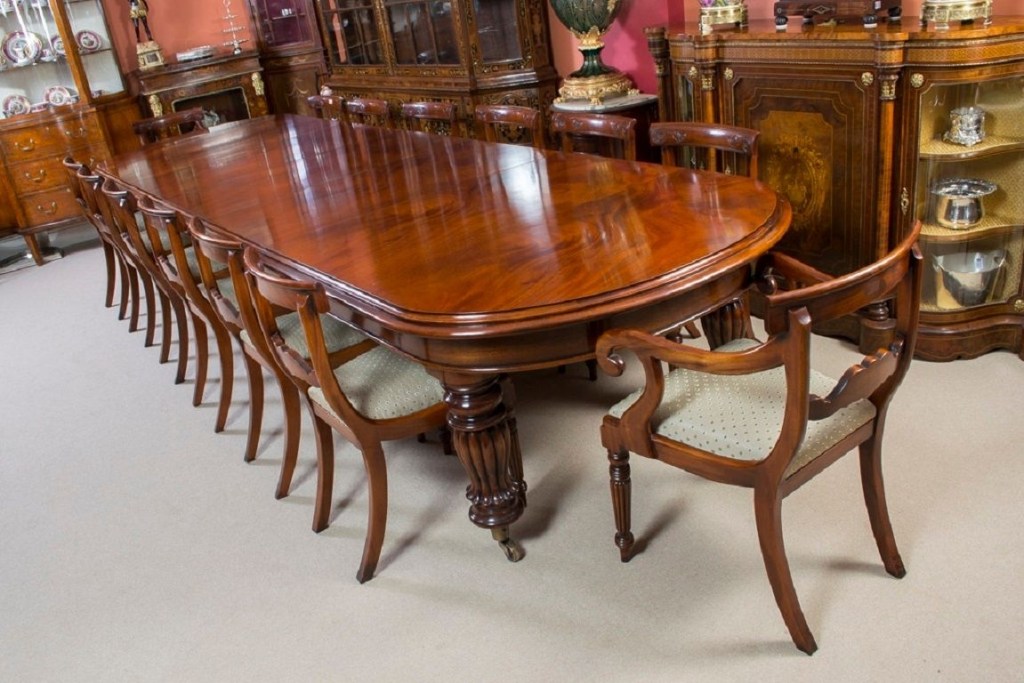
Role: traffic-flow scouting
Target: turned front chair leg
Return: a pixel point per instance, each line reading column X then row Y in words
column 618, row 471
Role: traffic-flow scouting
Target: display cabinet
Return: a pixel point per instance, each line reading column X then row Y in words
column 964, row 173
column 61, row 92
column 852, row 123
column 461, row 51
column 290, row 52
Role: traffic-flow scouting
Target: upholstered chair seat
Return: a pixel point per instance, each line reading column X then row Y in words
column 740, row 416
column 382, row 385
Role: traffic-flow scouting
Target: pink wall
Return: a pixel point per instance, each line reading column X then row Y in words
column 177, row 25
column 626, row 47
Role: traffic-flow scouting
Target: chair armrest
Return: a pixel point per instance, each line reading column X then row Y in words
column 789, row 347
column 860, row 381
column 792, row 270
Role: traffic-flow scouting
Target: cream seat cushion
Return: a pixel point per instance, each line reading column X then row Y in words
column 337, row 335
column 380, row 384
column 740, row 416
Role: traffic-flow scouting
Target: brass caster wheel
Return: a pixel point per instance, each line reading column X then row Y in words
column 513, row 551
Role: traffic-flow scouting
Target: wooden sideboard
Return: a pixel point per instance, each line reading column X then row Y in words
column 850, row 119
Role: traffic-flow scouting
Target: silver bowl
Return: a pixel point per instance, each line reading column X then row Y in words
column 966, row 126
column 958, row 206
column 969, row 277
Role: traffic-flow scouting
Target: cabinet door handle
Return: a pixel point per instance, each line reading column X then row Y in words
column 72, row 134
column 28, row 146
column 38, row 177
column 48, row 212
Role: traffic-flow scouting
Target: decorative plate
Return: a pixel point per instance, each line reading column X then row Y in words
column 16, row 104
column 59, row 95
column 57, row 43
column 89, row 41
column 22, row 47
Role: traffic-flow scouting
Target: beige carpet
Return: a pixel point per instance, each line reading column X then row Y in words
column 135, row 545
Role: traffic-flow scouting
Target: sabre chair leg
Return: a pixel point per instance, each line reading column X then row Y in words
column 324, row 472
column 202, row 358
column 108, row 259
column 377, row 476
column 292, row 427
column 133, row 313
column 254, row 375
column 122, row 306
column 878, row 511
column 621, row 487
column 768, row 515
column 165, row 325
column 147, row 288
column 227, row 374
column 181, row 324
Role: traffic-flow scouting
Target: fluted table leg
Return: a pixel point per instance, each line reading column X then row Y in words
column 485, row 439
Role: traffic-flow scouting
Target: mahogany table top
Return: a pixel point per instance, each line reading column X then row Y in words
column 443, row 237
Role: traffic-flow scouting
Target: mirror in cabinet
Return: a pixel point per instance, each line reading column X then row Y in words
column 969, row 192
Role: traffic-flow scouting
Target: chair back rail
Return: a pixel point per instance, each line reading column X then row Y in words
column 712, row 146
column 571, row 129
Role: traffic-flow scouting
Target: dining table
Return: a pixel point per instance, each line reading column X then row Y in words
column 478, row 260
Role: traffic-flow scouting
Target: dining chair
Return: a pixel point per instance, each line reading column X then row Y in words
column 223, row 276
column 368, row 111
column 431, row 117
column 756, row 414
column 111, row 258
column 368, row 394
column 590, row 133
column 156, row 128
column 328, row 106
column 125, row 220
column 129, row 305
column 608, row 135
column 173, row 251
column 709, row 146
column 509, row 123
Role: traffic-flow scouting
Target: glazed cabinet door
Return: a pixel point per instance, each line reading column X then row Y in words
column 965, row 182
column 819, row 147
column 290, row 52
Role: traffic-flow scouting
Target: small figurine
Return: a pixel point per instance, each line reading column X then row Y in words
column 138, row 11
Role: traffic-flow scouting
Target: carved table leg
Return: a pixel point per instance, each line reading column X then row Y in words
column 487, row 444
column 731, row 321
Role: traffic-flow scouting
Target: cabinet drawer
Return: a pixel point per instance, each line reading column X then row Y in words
column 50, row 206
column 52, row 138
column 32, row 143
column 35, row 176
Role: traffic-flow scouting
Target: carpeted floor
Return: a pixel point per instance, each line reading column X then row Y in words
column 135, row 545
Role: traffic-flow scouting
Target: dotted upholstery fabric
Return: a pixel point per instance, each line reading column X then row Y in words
column 337, row 335
column 381, row 385
column 740, row 416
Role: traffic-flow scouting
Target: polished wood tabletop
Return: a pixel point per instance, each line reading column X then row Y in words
column 474, row 258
